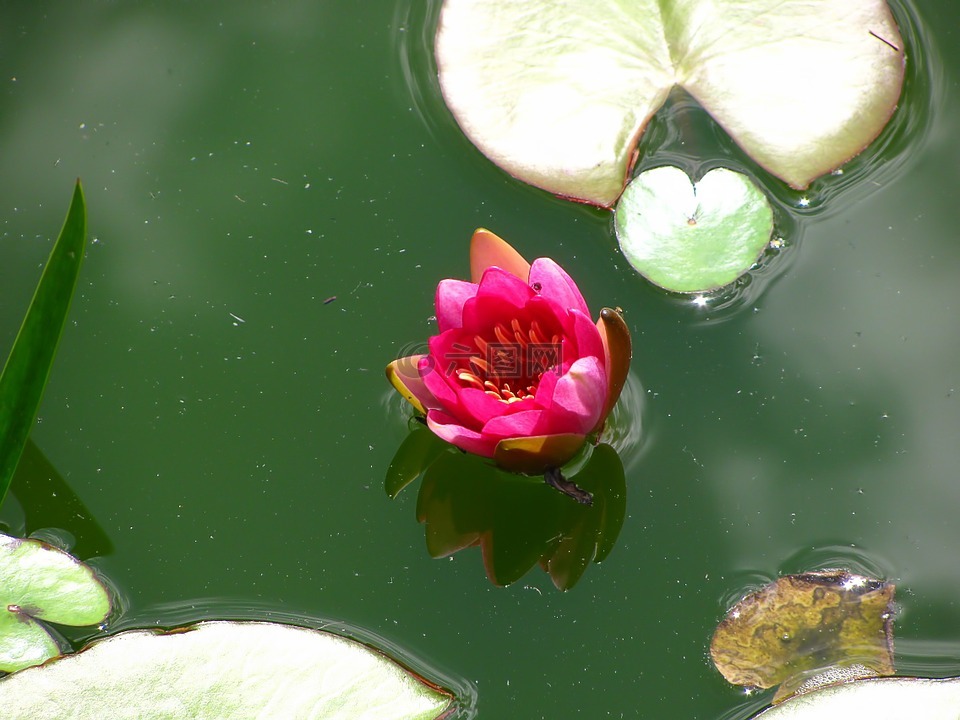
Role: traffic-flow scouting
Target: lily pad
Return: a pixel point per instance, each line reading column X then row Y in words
column 557, row 92
column 224, row 671
column 689, row 237
column 40, row 582
column 804, row 625
column 876, row 699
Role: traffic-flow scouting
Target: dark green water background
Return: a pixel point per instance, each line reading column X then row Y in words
column 229, row 430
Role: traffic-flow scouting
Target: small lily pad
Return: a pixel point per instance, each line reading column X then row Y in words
column 40, row 582
column 224, row 671
column 688, row 237
column 806, row 624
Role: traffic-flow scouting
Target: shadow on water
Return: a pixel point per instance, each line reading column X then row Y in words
column 44, row 505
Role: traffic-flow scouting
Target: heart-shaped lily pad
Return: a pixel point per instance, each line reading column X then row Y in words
column 557, row 92
column 223, row 671
column 40, row 582
column 692, row 238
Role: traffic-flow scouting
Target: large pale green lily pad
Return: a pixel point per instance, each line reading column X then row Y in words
column 40, row 582
column 898, row 698
column 692, row 238
column 223, row 671
column 557, row 92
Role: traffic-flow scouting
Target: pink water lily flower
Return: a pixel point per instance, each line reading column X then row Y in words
column 518, row 372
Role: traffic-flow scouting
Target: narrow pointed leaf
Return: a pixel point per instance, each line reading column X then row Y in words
column 28, row 365
column 223, row 671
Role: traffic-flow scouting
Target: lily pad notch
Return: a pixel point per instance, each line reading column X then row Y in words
column 801, row 86
column 39, row 582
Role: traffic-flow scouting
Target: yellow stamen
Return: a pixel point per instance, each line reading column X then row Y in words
column 536, row 333
column 470, row 378
column 481, row 344
column 480, row 366
column 518, row 332
column 501, row 332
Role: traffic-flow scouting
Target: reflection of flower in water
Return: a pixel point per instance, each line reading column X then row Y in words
column 464, row 501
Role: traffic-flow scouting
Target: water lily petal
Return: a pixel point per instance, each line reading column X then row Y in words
column 451, row 296
column 405, row 377
column 520, row 424
column 481, row 314
column 549, row 311
column 586, row 334
column 483, row 407
column 489, row 250
column 537, row 454
column 446, row 427
column 578, row 397
column 452, row 349
column 433, row 373
column 618, row 350
column 497, row 283
column 555, row 284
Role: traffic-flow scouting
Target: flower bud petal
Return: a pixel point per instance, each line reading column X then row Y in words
column 489, row 250
column 618, row 350
column 405, row 377
column 536, row 454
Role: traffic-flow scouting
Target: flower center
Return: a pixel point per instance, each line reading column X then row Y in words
column 509, row 361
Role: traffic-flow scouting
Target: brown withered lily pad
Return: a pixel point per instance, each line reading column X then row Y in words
column 803, row 625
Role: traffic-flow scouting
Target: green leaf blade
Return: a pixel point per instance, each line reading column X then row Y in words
column 28, row 366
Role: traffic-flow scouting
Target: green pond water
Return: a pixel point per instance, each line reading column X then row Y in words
column 228, row 427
